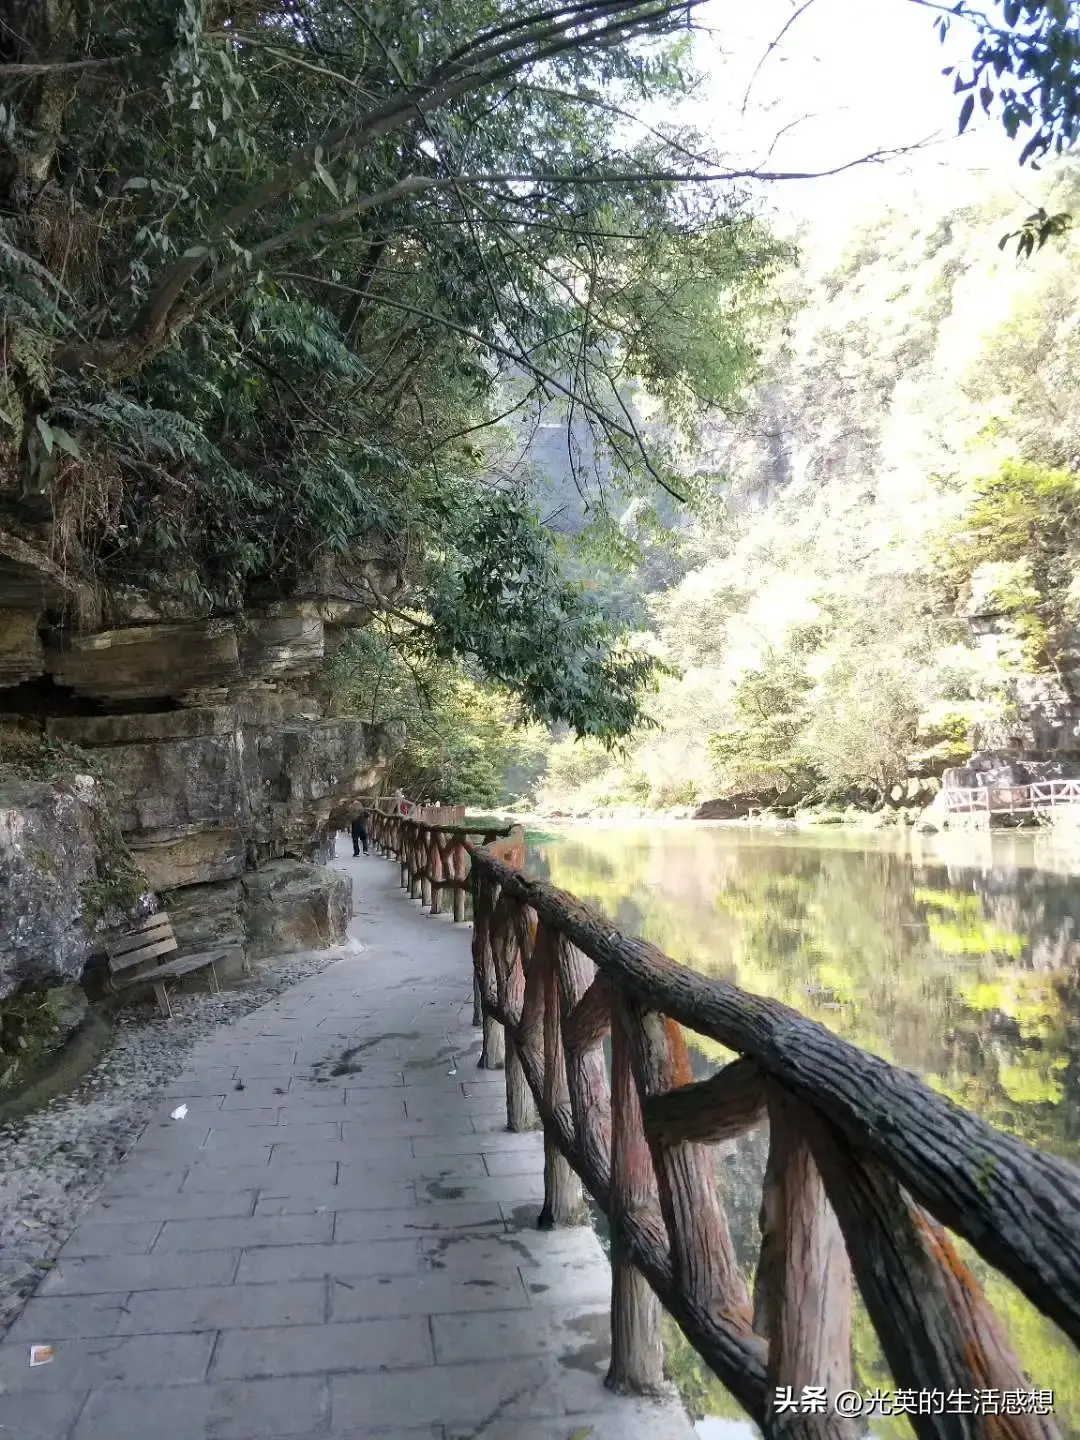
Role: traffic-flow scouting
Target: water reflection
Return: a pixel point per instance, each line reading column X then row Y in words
column 957, row 957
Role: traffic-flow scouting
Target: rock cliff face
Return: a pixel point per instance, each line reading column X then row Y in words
column 48, row 855
column 227, row 775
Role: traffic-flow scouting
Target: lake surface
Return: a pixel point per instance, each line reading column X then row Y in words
column 955, row 956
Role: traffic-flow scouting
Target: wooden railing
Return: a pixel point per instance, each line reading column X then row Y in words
column 431, row 846
column 866, row 1168
column 414, row 809
column 982, row 801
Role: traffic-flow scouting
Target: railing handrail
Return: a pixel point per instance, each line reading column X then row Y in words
column 1010, row 797
column 866, row 1162
column 880, row 1107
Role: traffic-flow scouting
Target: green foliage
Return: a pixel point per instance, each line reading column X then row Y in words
column 457, row 738
column 29, row 755
column 1035, row 231
column 260, row 319
column 908, row 464
column 502, row 601
column 1025, row 62
column 761, row 750
column 1015, row 553
column 254, row 323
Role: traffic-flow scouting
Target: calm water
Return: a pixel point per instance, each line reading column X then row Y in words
column 957, row 957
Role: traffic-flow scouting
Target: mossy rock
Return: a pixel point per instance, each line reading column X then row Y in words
column 34, row 1023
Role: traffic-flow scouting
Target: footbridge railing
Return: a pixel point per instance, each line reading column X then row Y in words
column 868, row 1170
column 431, row 844
column 980, row 802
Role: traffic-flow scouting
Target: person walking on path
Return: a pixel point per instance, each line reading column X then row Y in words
column 359, row 834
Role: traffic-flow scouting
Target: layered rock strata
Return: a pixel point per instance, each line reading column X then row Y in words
column 226, row 774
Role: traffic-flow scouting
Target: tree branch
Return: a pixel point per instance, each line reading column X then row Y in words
column 515, row 357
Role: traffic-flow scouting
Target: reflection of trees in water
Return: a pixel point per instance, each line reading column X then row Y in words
column 943, row 971
column 967, row 974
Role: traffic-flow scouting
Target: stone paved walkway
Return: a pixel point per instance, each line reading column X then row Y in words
column 335, row 1241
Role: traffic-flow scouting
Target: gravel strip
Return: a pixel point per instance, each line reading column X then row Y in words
column 54, row 1162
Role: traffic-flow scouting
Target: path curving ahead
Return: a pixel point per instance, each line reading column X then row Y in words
column 337, row 1239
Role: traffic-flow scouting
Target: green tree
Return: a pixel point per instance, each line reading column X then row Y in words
column 258, row 326
column 457, row 737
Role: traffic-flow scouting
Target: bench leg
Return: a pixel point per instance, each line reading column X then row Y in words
column 215, row 987
column 163, row 999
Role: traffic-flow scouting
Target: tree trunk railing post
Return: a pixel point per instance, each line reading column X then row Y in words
column 637, row 1352
column 803, row 1272
column 564, row 1203
column 520, row 1108
column 438, row 873
column 493, row 1052
column 416, row 861
column 428, row 850
column 458, row 869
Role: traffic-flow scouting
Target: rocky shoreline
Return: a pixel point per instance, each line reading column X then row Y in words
column 54, row 1161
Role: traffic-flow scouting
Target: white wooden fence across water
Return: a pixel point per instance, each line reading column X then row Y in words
column 978, row 803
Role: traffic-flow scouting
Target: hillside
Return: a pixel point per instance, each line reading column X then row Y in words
column 873, row 599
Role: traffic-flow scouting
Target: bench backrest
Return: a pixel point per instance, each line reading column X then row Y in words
column 151, row 940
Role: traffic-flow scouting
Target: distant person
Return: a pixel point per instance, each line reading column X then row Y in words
column 359, row 834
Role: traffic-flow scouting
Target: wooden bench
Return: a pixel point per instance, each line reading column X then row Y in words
column 140, row 957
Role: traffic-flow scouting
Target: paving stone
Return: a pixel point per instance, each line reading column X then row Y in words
column 446, row 1394
column 108, row 1237
column 300, row 1149
column 40, row 1415
column 212, row 1092
column 633, row 1420
column 199, row 1205
column 466, row 1254
column 567, row 1283
column 220, row 1075
column 226, row 1138
column 242, row 1149
column 437, row 1293
column 512, row 1189
column 112, row 1360
column 366, row 1196
column 373, row 1104
column 68, row 1317
column 260, row 1117
column 245, row 1233
column 444, row 1167
column 232, row 1410
column 459, row 1126
column 355, row 1257
column 518, row 1333
column 323, row 1349
column 281, row 1180
column 365, row 1080
column 404, row 1224
column 508, row 1142
column 141, row 1178
column 169, row 1134
column 270, row 1072
column 140, row 1272
column 290, row 1116
column 198, row 1105
column 305, row 1262
column 264, row 1052
column 224, row 1307
column 258, row 1095
column 515, row 1162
